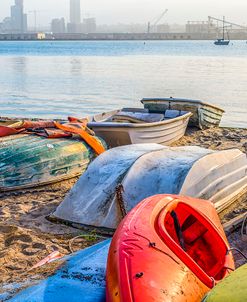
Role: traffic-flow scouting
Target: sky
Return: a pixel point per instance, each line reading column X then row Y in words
column 133, row 11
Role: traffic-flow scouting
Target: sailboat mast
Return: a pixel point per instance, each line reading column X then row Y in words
column 223, row 27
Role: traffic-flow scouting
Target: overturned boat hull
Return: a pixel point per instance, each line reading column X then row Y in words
column 28, row 161
column 164, row 250
column 120, row 178
column 204, row 115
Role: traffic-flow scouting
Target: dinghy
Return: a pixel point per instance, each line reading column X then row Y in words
column 28, row 161
column 80, row 278
column 121, row 177
column 204, row 115
column 168, row 248
column 231, row 289
column 135, row 126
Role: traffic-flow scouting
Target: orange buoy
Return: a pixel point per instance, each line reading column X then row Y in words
column 168, row 248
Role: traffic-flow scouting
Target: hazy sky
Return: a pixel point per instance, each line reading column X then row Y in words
column 134, row 11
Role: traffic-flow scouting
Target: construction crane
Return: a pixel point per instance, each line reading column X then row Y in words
column 155, row 21
column 35, row 12
column 226, row 22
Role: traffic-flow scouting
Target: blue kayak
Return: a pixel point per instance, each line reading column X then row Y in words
column 81, row 278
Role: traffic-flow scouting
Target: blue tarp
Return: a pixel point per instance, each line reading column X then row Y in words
column 81, row 278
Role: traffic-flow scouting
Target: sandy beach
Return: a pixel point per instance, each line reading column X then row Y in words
column 26, row 236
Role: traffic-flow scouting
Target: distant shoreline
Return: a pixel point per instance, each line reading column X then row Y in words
column 91, row 40
column 116, row 37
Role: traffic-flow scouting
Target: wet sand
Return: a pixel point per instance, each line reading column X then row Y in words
column 26, row 236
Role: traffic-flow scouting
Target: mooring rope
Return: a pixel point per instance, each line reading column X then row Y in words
column 120, row 200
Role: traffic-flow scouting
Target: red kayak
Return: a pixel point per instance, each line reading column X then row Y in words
column 168, row 248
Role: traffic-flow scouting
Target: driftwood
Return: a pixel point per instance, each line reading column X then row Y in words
column 234, row 224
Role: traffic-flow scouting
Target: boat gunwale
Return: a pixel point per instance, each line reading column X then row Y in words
column 183, row 101
column 38, row 185
column 99, row 124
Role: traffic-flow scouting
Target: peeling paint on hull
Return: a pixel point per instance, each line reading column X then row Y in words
column 204, row 115
column 28, row 161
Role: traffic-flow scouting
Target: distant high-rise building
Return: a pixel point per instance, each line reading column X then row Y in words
column 58, row 26
column 89, row 25
column 75, row 11
column 75, row 25
column 6, row 26
column 18, row 18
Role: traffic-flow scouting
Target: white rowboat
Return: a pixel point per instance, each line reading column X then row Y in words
column 171, row 128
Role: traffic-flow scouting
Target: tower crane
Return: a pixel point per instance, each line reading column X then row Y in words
column 35, row 12
column 156, row 20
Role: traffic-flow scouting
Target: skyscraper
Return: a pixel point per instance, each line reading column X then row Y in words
column 75, row 26
column 75, row 11
column 18, row 18
column 58, row 26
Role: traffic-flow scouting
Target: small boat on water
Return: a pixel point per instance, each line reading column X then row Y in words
column 120, row 178
column 29, row 161
column 222, row 40
column 231, row 289
column 168, row 248
column 81, row 277
column 135, row 126
column 204, row 115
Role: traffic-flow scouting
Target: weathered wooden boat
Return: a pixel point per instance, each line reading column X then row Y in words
column 231, row 289
column 135, row 126
column 168, row 248
column 28, row 161
column 80, row 278
column 121, row 177
column 204, row 115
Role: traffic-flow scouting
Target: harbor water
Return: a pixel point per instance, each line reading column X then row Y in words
column 56, row 79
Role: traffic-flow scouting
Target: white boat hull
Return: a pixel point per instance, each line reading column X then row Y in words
column 149, row 169
column 163, row 132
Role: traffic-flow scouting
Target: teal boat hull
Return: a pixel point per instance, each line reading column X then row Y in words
column 29, row 161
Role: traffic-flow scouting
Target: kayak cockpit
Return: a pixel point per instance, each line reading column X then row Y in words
column 195, row 240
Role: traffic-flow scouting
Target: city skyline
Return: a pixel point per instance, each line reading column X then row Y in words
column 128, row 11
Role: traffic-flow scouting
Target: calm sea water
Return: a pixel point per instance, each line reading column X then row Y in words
column 57, row 79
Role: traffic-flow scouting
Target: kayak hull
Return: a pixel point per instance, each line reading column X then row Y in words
column 80, row 278
column 146, row 262
column 231, row 289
